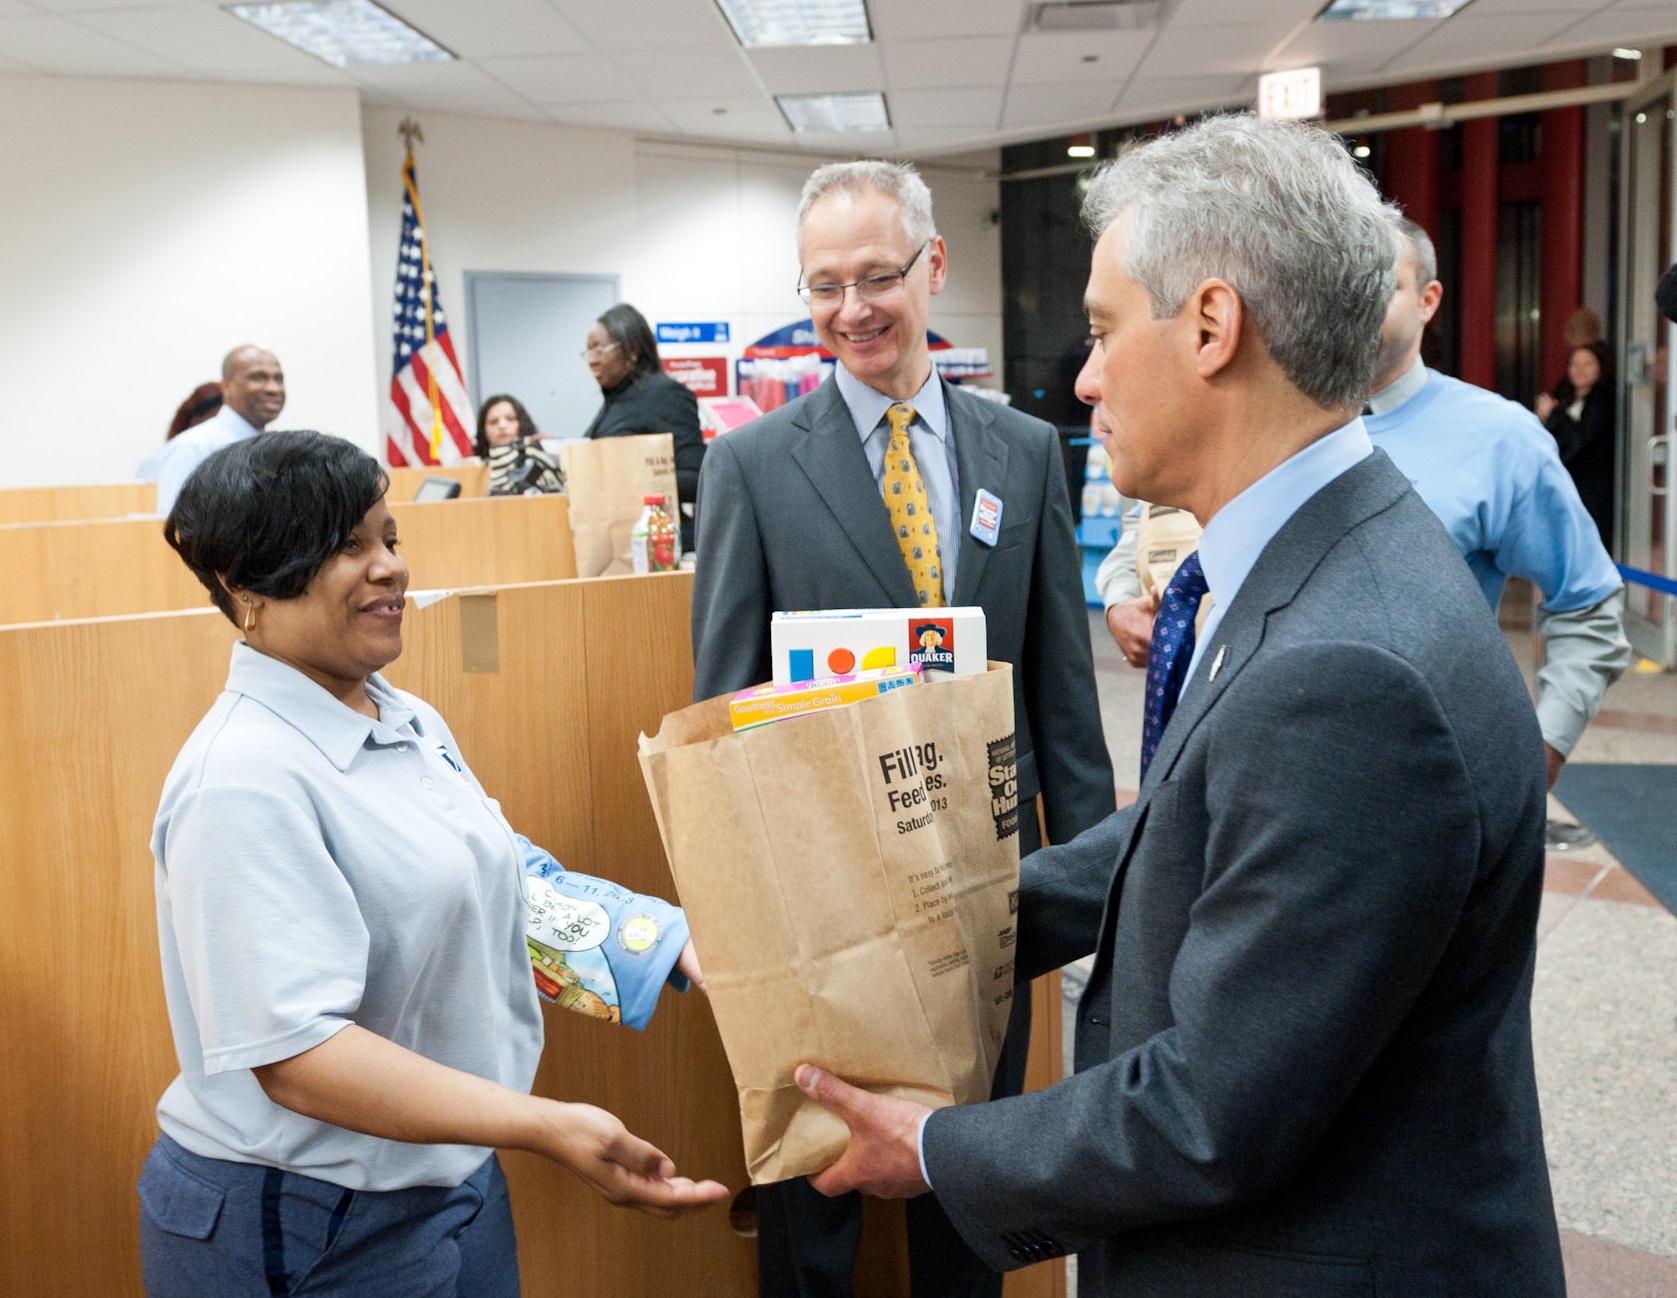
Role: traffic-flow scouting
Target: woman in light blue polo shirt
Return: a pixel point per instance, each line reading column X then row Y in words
column 342, row 914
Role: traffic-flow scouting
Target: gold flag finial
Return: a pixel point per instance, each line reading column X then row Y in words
column 411, row 132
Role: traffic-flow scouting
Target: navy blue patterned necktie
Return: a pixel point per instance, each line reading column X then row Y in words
column 1172, row 651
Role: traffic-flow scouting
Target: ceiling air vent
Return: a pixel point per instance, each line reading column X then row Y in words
column 1094, row 15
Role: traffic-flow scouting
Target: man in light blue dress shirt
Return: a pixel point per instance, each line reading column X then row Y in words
column 1494, row 477
column 252, row 396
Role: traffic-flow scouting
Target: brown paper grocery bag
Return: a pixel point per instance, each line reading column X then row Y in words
column 851, row 880
column 608, row 481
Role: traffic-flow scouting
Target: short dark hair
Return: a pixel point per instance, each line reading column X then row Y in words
column 628, row 328
column 265, row 514
column 526, row 425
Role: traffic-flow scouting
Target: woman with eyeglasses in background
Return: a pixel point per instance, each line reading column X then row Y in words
column 640, row 398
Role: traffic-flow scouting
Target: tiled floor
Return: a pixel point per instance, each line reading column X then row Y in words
column 1604, row 1006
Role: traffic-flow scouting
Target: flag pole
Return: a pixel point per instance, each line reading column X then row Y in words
column 411, row 131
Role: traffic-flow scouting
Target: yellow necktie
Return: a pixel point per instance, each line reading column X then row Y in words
column 911, row 515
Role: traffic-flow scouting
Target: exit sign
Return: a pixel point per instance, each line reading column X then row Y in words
column 1290, row 94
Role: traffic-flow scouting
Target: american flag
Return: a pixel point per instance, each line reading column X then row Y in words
column 428, row 420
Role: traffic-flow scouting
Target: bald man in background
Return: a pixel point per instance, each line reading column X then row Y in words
column 252, row 396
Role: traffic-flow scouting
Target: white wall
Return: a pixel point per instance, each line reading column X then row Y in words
column 694, row 232
column 149, row 227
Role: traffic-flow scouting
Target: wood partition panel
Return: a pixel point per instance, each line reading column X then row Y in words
column 112, row 567
column 67, row 504
column 546, row 687
column 473, row 479
column 95, row 714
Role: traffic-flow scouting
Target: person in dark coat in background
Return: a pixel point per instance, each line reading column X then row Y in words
column 1579, row 416
column 640, row 398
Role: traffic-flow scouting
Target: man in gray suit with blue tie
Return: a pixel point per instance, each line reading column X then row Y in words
column 1304, row 1056
column 888, row 487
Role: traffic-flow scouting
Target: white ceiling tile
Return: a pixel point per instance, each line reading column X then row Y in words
column 1057, row 105
column 1361, row 45
column 976, row 108
column 1467, row 42
column 956, row 61
column 895, row 20
column 214, row 43
column 83, row 6
column 46, row 43
column 1217, row 13
column 620, row 115
column 691, row 74
column 1165, row 96
column 480, row 30
column 16, row 8
column 1051, row 58
column 1490, row 8
column 826, row 69
column 746, row 116
column 446, row 87
column 560, row 79
column 649, row 24
column 1204, row 51
column 1625, row 24
column 845, row 144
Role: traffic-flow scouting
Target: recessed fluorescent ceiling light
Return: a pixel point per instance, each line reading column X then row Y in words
column 1392, row 9
column 343, row 32
column 835, row 112
column 797, row 22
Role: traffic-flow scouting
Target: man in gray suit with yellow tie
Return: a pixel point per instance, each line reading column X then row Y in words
column 887, row 487
column 1304, row 1058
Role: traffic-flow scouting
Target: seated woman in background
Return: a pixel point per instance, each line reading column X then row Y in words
column 506, row 441
column 201, row 405
column 640, row 398
column 342, row 916
column 1580, row 417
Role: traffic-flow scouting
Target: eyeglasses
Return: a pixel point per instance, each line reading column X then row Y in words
column 595, row 353
column 868, row 290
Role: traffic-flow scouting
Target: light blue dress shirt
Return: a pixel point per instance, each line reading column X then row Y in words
column 1239, row 531
column 1493, row 476
column 186, row 452
column 933, row 444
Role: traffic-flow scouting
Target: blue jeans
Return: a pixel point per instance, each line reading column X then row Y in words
column 236, row 1230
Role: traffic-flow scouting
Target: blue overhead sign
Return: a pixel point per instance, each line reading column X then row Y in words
column 698, row 331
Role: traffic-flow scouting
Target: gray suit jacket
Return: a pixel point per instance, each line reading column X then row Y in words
column 790, row 517
column 1304, row 1057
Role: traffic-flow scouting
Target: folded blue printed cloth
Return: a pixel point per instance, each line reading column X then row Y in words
column 597, row 948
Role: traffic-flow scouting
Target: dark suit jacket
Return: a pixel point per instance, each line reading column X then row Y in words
column 790, row 517
column 1304, row 1056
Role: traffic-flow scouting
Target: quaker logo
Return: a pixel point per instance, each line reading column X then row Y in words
column 931, row 643
column 1004, row 787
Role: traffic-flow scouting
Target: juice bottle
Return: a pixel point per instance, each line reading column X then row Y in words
column 663, row 540
column 653, row 543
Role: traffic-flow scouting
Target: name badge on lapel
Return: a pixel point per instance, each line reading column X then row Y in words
column 986, row 517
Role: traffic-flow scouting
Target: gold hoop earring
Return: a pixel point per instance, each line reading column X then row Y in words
column 250, row 615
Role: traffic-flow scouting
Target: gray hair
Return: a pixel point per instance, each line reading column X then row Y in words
column 898, row 179
column 1277, row 209
column 1417, row 242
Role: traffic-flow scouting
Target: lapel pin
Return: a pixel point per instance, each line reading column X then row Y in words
column 1217, row 662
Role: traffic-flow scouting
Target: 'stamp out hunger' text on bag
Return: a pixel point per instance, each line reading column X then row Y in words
column 608, row 480
column 850, row 878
